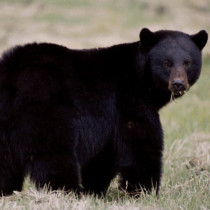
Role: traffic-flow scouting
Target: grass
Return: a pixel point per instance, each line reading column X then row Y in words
column 82, row 24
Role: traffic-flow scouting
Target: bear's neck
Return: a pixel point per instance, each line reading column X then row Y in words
column 125, row 65
column 132, row 75
column 157, row 98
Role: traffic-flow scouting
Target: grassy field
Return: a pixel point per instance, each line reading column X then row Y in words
column 186, row 122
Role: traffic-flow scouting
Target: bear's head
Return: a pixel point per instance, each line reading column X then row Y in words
column 173, row 58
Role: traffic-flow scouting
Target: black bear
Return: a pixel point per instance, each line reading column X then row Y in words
column 77, row 118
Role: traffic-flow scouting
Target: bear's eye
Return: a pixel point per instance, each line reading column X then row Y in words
column 167, row 64
column 187, row 63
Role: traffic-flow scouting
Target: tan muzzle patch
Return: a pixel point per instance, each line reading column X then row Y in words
column 178, row 81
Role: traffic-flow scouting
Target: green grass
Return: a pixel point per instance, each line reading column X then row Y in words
column 186, row 122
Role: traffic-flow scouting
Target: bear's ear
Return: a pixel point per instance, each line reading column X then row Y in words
column 200, row 39
column 148, row 38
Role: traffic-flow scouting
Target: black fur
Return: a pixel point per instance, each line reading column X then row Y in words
column 80, row 117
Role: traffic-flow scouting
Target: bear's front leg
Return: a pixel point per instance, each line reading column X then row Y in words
column 141, row 154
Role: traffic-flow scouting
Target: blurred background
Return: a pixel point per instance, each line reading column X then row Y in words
column 96, row 23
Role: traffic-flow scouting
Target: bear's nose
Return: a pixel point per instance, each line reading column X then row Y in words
column 178, row 85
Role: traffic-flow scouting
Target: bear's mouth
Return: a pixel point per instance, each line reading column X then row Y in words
column 179, row 93
column 176, row 94
column 178, row 90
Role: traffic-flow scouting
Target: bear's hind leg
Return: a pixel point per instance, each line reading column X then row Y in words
column 9, row 181
column 11, row 177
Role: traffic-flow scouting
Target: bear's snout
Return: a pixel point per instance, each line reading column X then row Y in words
column 178, row 82
column 178, row 85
